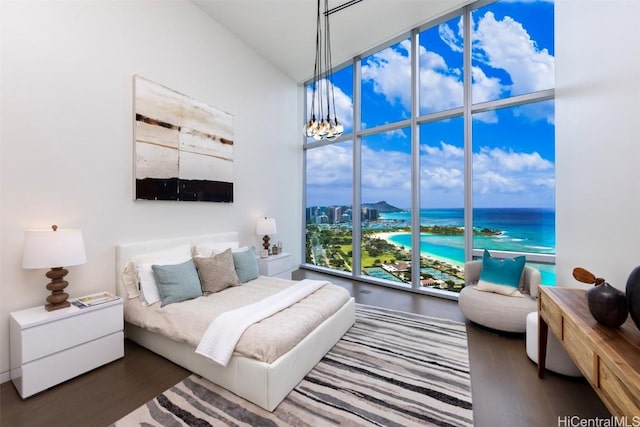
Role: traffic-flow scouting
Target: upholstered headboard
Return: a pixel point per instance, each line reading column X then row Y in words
column 126, row 251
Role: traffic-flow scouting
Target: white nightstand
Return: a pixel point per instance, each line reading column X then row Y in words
column 50, row 347
column 276, row 265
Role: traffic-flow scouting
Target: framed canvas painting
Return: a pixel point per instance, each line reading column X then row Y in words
column 183, row 147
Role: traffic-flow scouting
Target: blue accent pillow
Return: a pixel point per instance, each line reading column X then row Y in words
column 501, row 276
column 246, row 264
column 177, row 282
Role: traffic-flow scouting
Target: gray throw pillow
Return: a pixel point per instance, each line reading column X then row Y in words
column 217, row 272
column 177, row 282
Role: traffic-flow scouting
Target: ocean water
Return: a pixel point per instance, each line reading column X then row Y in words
column 522, row 230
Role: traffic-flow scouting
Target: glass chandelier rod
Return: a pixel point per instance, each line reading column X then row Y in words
column 320, row 127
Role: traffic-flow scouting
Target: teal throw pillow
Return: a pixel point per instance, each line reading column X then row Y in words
column 501, row 276
column 177, row 282
column 246, row 264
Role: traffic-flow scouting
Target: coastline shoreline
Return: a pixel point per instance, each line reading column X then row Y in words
column 387, row 235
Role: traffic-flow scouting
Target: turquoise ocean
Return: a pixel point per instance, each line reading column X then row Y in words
column 522, row 230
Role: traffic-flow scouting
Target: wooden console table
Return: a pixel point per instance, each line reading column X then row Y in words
column 608, row 358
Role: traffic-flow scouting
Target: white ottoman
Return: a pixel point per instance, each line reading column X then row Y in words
column 557, row 358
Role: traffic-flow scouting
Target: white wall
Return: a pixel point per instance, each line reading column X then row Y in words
column 67, row 134
column 597, row 138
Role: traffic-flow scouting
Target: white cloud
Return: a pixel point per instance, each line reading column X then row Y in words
column 398, row 133
column 538, row 110
column 545, row 183
column 508, row 178
column 441, row 178
column 448, row 36
column 390, row 73
column 444, row 151
column 500, row 177
column 386, row 170
column 506, row 44
column 497, row 173
column 331, row 165
column 485, row 88
column 497, row 44
column 489, row 182
column 441, row 168
column 499, row 159
column 439, row 90
column 386, row 175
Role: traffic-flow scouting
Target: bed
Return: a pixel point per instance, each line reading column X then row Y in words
column 264, row 383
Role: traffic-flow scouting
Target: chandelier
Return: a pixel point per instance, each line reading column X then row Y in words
column 323, row 101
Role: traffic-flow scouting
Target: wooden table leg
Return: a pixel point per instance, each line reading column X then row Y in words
column 543, row 331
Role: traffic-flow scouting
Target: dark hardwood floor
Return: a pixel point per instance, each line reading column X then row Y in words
column 505, row 386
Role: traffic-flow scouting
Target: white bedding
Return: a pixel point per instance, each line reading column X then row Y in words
column 219, row 340
column 264, row 383
column 266, row 340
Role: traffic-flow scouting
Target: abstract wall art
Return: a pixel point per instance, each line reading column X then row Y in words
column 183, row 147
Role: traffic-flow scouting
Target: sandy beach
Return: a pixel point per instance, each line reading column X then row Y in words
column 429, row 257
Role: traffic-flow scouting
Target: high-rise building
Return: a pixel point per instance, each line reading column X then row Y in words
column 334, row 213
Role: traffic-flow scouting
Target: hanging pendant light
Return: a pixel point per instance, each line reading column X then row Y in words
column 319, row 126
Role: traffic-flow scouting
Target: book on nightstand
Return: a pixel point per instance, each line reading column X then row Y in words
column 94, row 299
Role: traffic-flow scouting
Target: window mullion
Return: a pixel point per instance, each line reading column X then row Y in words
column 468, row 148
column 415, row 161
column 356, row 222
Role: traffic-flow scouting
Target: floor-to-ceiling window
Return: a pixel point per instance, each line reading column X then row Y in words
column 329, row 187
column 328, row 215
column 448, row 150
column 386, row 205
column 513, row 125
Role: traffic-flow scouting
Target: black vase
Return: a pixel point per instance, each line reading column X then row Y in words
column 607, row 305
column 633, row 295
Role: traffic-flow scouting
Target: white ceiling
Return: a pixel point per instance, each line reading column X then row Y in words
column 283, row 31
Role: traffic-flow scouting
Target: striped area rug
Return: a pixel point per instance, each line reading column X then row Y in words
column 390, row 369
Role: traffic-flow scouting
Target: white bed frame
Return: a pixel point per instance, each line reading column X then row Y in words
column 265, row 384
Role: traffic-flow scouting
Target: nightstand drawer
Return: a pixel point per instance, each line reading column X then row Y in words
column 49, row 347
column 43, row 373
column 275, row 265
column 45, row 339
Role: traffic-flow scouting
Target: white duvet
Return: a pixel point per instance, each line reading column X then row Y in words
column 219, row 340
column 266, row 340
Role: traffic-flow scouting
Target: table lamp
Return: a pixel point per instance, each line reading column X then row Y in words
column 265, row 227
column 54, row 249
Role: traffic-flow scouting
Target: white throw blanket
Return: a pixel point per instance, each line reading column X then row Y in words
column 219, row 341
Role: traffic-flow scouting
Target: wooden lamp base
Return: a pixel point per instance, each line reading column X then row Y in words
column 57, row 299
column 265, row 242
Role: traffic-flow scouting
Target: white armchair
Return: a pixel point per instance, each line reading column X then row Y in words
column 495, row 311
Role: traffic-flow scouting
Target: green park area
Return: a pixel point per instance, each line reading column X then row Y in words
column 331, row 246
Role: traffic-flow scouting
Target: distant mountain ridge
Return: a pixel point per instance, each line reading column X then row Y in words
column 382, row 207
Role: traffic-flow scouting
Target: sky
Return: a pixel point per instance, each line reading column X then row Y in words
column 513, row 148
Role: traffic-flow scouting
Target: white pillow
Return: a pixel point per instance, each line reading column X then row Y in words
column 130, row 280
column 207, row 250
column 143, row 263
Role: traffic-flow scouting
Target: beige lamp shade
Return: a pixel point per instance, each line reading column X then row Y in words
column 49, row 248
column 266, row 226
column 54, row 249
